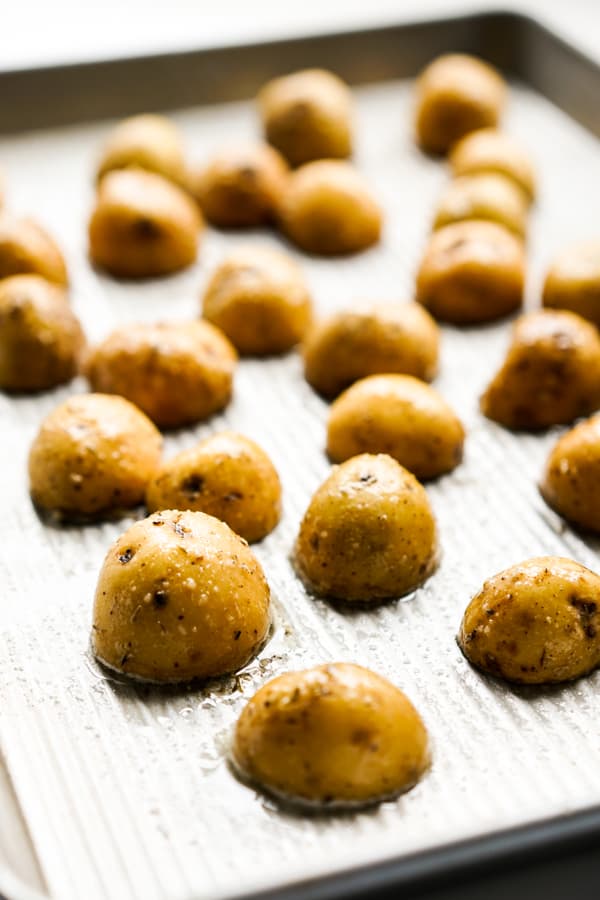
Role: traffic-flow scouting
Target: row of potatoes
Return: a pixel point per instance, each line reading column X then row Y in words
column 181, row 596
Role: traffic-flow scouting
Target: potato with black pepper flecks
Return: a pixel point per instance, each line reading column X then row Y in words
column 92, row 458
column 368, row 340
column 551, row 373
column 490, row 150
column 368, row 534
column 41, row 340
column 573, row 281
column 142, row 225
column 398, row 415
column 177, row 373
column 241, row 186
column 535, row 623
column 27, row 249
column 337, row 735
column 456, row 94
column 227, row 476
column 571, row 480
column 149, row 142
column 259, row 298
column 471, row 272
column 486, row 196
column 308, row 115
column 328, row 209
column 179, row 597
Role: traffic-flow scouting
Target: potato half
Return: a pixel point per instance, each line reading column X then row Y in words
column 573, row 281
column 487, row 196
column 571, row 480
column 27, row 249
column 490, row 150
column 149, row 142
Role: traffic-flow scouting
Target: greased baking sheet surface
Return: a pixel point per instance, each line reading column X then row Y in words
column 125, row 788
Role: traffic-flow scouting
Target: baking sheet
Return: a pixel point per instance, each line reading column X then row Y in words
column 125, row 788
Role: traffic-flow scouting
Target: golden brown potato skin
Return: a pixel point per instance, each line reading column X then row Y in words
column 573, row 281
column 241, row 186
column 368, row 534
column 179, row 597
column 93, row 457
column 142, row 225
column 535, row 623
column 307, row 116
column 472, row 272
column 41, row 340
column 227, row 476
column 259, row 298
column 486, row 196
column 571, row 479
column 398, row 415
column 551, row 374
column 490, row 150
column 456, row 94
column 334, row 735
column 327, row 209
column 149, row 142
column 27, row 249
column 177, row 373
column 384, row 337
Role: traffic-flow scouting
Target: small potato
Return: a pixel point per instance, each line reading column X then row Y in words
column 260, row 299
column 373, row 339
column 327, row 209
column 179, row 597
column 571, row 480
column 177, row 373
column 490, row 150
column 472, row 272
column 535, row 623
column 307, row 116
column 142, row 226
column 398, row 415
column 456, row 94
column 27, row 249
column 41, row 340
column 485, row 196
column 337, row 735
column 573, row 281
column 92, row 458
column 148, row 142
column 242, row 186
column 368, row 534
column 227, row 476
column 551, row 374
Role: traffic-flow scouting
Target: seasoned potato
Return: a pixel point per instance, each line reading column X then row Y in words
column 551, row 374
column 227, row 476
column 328, row 209
column 241, row 186
column 398, row 415
column 148, row 142
column 180, row 596
column 456, row 94
column 41, row 340
column 472, row 272
column 27, row 249
column 571, row 480
column 142, row 225
column 177, row 373
column 535, row 623
column 485, row 196
column 259, row 297
column 93, row 457
column 372, row 339
column 336, row 735
column 573, row 281
column 307, row 116
column 490, row 150
column 368, row 534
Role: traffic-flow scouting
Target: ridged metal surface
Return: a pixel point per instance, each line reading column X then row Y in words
column 125, row 788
